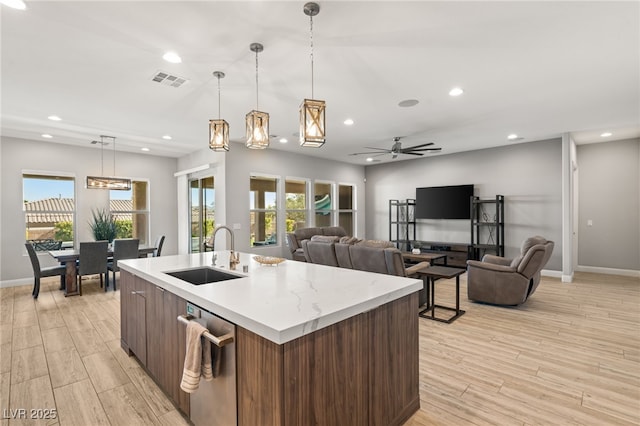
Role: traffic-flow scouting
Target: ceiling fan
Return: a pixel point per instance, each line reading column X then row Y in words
column 397, row 148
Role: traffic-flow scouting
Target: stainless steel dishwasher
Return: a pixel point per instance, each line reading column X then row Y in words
column 214, row 402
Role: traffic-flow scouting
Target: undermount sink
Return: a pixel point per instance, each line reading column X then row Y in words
column 205, row 275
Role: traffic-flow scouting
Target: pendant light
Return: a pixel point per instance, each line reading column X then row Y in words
column 218, row 129
column 257, row 121
column 110, row 182
column 312, row 111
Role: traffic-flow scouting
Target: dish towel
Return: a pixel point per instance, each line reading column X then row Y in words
column 197, row 360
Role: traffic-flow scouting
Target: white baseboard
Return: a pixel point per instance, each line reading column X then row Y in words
column 16, row 283
column 550, row 273
column 608, row 271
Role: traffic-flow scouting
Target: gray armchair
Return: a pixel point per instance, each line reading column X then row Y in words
column 502, row 281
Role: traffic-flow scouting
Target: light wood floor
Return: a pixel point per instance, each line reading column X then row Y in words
column 570, row 355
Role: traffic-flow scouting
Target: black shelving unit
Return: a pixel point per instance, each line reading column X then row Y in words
column 402, row 223
column 487, row 226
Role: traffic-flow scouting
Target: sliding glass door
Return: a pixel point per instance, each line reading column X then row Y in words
column 202, row 200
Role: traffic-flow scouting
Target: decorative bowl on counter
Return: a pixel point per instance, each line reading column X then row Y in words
column 268, row 260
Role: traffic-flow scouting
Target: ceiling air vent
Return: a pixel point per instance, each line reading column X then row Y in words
column 168, row 79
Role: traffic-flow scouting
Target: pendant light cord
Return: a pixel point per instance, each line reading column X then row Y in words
column 311, row 37
column 219, row 113
column 257, row 104
column 101, row 155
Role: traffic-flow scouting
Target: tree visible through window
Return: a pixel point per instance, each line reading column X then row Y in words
column 295, row 199
column 49, row 207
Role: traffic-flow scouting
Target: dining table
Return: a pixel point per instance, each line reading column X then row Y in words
column 69, row 258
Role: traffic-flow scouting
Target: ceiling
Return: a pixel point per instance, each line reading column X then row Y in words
column 536, row 69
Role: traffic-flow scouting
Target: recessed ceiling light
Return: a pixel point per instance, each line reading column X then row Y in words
column 54, row 118
column 456, row 91
column 606, row 134
column 283, row 140
column 172, row 57
column 369, row 159
column 145, row 149
column 348, row 122
column 408, row 103
column 512, row 137
column 47, row 136
column 166, row 137
column 14, row 4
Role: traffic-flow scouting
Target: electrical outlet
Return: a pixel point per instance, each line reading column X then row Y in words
column 236, row 226
column 589, row 222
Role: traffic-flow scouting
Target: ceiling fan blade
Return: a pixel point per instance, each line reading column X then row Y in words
column 380, row 149
column 412, row 153
column 411, row 148
column 426, row 149
column 370, row 152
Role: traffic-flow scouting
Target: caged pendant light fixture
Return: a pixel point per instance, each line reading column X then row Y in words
column 104, row 182
column 312, row 111
column 218, row 129
column 257, row 121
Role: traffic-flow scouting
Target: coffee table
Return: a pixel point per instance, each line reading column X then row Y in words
column 434, row 273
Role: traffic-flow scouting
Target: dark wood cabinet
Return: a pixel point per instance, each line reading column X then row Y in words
column 151, row 332
column 360, row 371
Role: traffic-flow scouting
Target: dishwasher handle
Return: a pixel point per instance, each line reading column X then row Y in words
column 219, row 341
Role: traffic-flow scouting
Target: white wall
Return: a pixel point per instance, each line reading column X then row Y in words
column 18, row 155
column 529, row 175
column 609, row 197
column 240, row 162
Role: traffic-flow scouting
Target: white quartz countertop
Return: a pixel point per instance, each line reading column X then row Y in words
column 279, row 303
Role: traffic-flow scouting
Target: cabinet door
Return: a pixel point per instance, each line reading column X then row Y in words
column 175, row 343
column 156, row 339
column 126, row 287
column 137, row 319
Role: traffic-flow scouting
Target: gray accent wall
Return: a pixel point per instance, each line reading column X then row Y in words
column 529, row 175
column 609, row 197
column 18, row 155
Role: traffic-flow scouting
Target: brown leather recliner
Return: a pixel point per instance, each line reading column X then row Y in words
column 501, row 281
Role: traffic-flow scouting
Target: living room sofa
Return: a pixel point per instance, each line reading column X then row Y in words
column 366, row 255
column 295, row 238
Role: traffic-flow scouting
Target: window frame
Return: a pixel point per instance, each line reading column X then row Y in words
column 332, row 210
column 51, row 175
column 353, row 210
column 307, row 197
column 279, row 205
column 132, row 212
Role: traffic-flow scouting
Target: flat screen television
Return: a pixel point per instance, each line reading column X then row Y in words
column 444, row 202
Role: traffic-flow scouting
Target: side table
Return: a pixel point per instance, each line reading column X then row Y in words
column 433, row 273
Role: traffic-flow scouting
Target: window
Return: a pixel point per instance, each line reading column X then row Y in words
column 263, row 211
column 202, row 196
column 49, row 207
column 346, row 209
column 295, row 200
column 322, row 204
column 130, row 209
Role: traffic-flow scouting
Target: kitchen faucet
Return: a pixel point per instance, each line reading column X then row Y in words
column 234, row 258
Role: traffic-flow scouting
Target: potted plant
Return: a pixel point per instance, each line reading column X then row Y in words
column 103, row 225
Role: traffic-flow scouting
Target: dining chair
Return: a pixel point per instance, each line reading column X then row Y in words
column 93, row 260
column 38, row 272
column 126, row 248
column 158, row 246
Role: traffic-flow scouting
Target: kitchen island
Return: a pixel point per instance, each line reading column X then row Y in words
column 314, row 344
